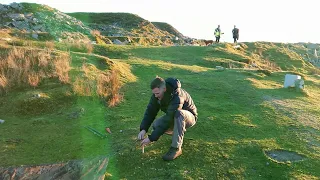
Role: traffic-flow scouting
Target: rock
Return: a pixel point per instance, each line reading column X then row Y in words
column 16, row 6
column 35, row 35
column 290, row 80
column 37, row 95
column 116, row 41
column 35, row 21
column 43, row 29
column 237, row 47
column 1, row 121
column 37, row 27
column 17, row 17
column 21, row 25
column 3, row 8
column 28, row 15
column 6, row 39
column 73, row 169
column 220, row 68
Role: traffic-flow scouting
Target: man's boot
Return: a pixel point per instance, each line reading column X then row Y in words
column 172, row 154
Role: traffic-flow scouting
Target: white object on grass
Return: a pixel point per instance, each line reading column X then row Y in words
column 1, row 121
column 290, row 79
column 142, row 148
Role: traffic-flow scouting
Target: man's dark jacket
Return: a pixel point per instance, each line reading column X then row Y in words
column 175, row 98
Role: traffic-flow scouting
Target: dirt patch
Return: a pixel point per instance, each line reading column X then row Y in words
column 281, row 155
column 75, row 169
column 298, row 111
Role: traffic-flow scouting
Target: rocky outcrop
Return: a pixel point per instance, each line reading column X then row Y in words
column 75, row 169
column 44, row 19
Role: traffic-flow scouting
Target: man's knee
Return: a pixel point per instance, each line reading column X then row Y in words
column 178, row 115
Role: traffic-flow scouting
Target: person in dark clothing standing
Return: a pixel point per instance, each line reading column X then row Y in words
column 235, row 34
column 180, row 114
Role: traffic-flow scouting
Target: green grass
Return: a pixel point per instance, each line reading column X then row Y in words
column 238, row 120
column 242, row 113
column 224, row 145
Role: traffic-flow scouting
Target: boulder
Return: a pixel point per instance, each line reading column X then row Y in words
column 21, row 25
column 37, row 27
column 35, row 35
column 3, row 8
column 290, row 80
column 16, row 6
column 116, row 41
column 17, row 17
column 74, row 169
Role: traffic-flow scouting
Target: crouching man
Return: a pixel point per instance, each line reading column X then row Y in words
column 180, row 114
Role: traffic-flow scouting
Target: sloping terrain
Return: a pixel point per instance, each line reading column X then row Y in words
column 167, row 27
column 249, row 126
column 35, row 21
column 128, row 28
column 121, row 24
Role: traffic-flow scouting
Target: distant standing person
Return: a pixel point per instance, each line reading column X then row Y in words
column 217, row 33
column 235, row 34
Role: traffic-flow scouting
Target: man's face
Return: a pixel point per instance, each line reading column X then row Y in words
column 159, row 92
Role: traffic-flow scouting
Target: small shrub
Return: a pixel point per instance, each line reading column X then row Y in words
column 95, row 33
column 50, row 45
column 33, row 79
column 265, row 71
column 62, row 68
column 315, row 71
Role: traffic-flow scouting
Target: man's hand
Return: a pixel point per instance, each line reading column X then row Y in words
column 141, row 134
column 146, row 141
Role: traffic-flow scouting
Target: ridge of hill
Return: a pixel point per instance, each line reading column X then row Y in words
column 169, row 28
column 123, row 24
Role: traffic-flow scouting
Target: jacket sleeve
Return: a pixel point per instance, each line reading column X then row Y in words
column 150, row 113
column 174, row 105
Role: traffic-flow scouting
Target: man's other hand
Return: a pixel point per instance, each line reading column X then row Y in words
column 141, row 134
column 145, row 142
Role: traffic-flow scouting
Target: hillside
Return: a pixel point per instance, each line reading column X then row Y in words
column 121, row 24
column 58, row 97
column 167, row 27
column 129, row 28
column 35, row 21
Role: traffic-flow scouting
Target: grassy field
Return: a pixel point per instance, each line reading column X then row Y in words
column 242, row 113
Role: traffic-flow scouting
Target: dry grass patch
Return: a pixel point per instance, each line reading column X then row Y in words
column 20, row 67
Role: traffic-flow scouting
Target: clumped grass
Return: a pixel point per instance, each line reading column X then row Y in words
column 95, row 82
column 21, row 67
column 77, row 46
column 50, row 45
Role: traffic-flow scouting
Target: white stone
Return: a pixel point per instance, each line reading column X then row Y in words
column 116, row 41
column 35, row 36
column 236, row 47
column 219, row 67
column 290, row 79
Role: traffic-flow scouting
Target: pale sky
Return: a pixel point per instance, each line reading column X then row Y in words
column 257, row 20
